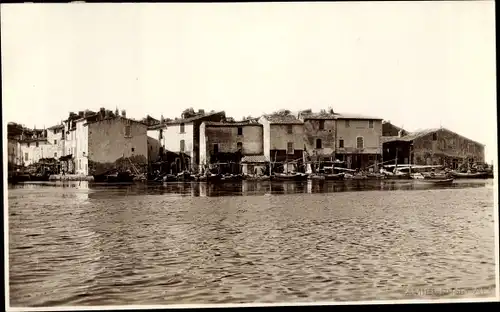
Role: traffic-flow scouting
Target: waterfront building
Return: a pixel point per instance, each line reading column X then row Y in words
column 228, row 142
column 182, row 136
column 437, row 146
column 97, row 142
column 283, row 140
column 319, row 134
column 14, row 153
column 358, row 140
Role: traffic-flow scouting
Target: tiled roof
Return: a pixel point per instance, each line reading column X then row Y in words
column 385, row 139
column 194, row 118
column 56, row 127
column 420, row 133
column 319, row 115
column 229, row 124
column 254, row 159
column 283, row 119
column 357, row 116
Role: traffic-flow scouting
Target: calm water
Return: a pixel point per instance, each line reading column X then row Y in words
column 75, row 244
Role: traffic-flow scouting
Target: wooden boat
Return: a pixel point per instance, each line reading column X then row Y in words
column 184, row 176
column 436, row 181
column 213, row 177
column 289, row 177
column 16, row 177
column 169, row 178
column 470, row 175
column 318, row 177
column 398, row 176
column 375, row 176
column 334, row 176
column 256, row 178
column 231, row 177
column 40, row 176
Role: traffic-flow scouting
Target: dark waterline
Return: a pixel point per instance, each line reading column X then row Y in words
column 246, row 188
column 75, row 243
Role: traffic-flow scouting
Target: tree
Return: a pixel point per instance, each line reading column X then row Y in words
column 188, row 112
column 282, row 112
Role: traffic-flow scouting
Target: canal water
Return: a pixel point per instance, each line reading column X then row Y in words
column 78, row 244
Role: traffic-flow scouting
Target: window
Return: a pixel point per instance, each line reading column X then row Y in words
column 133, row 149
column 216, row 148
column 290, row 129
column 341, row 143
column 83, row 153
column 182, row 128
column 127, row 130
column 360, row 142
column 80, row 164
column 55, row 155
column 318, row 143
column 240, row 131
column 36, row 144
column 55, row 142
column 161, row 134
column 370, row 123
column 434, row 136
column 25, row 156
column 182, row 145
column 239, row 146
column 347, row 123
column 289, row 149
column 28, row 144
column 321, row 125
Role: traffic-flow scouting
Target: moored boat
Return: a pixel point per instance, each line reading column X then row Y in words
column 470, row 175
column 289, row 177
column 436, row 181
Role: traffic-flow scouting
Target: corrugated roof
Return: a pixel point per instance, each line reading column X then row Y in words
column 357, row 116
column 283, row 119
column 254, row 159
column 194, row 118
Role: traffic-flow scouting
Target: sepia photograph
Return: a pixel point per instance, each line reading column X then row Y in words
column 160, row 155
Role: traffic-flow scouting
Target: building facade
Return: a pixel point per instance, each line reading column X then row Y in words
column 358, row 141
column 283, row 140
column 229, row 141
column 182, row 136
column 434, row 147
column 97, row 142
column 319, row 134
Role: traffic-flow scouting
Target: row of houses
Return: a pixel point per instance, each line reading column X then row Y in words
column 88, row 142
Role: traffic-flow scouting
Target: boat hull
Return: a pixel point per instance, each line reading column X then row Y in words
column 436, row 181
column 479, row 175
column 289, row 177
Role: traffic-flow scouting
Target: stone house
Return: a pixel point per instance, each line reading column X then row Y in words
column 358, row 140
column 283, row 141
column 182, row 136
column 319, row 134
column 437, row 146
column 228, row 142
column 97, row 142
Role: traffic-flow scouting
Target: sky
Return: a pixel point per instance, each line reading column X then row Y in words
column 417, row 64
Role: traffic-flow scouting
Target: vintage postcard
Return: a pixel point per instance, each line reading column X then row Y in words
column 249, row 154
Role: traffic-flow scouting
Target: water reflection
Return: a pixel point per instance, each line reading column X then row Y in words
column 88, row 244
column 86, row 190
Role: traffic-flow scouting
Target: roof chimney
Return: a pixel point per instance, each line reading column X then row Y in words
column 124, row 113
column 201, row 111
column 400, row 133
